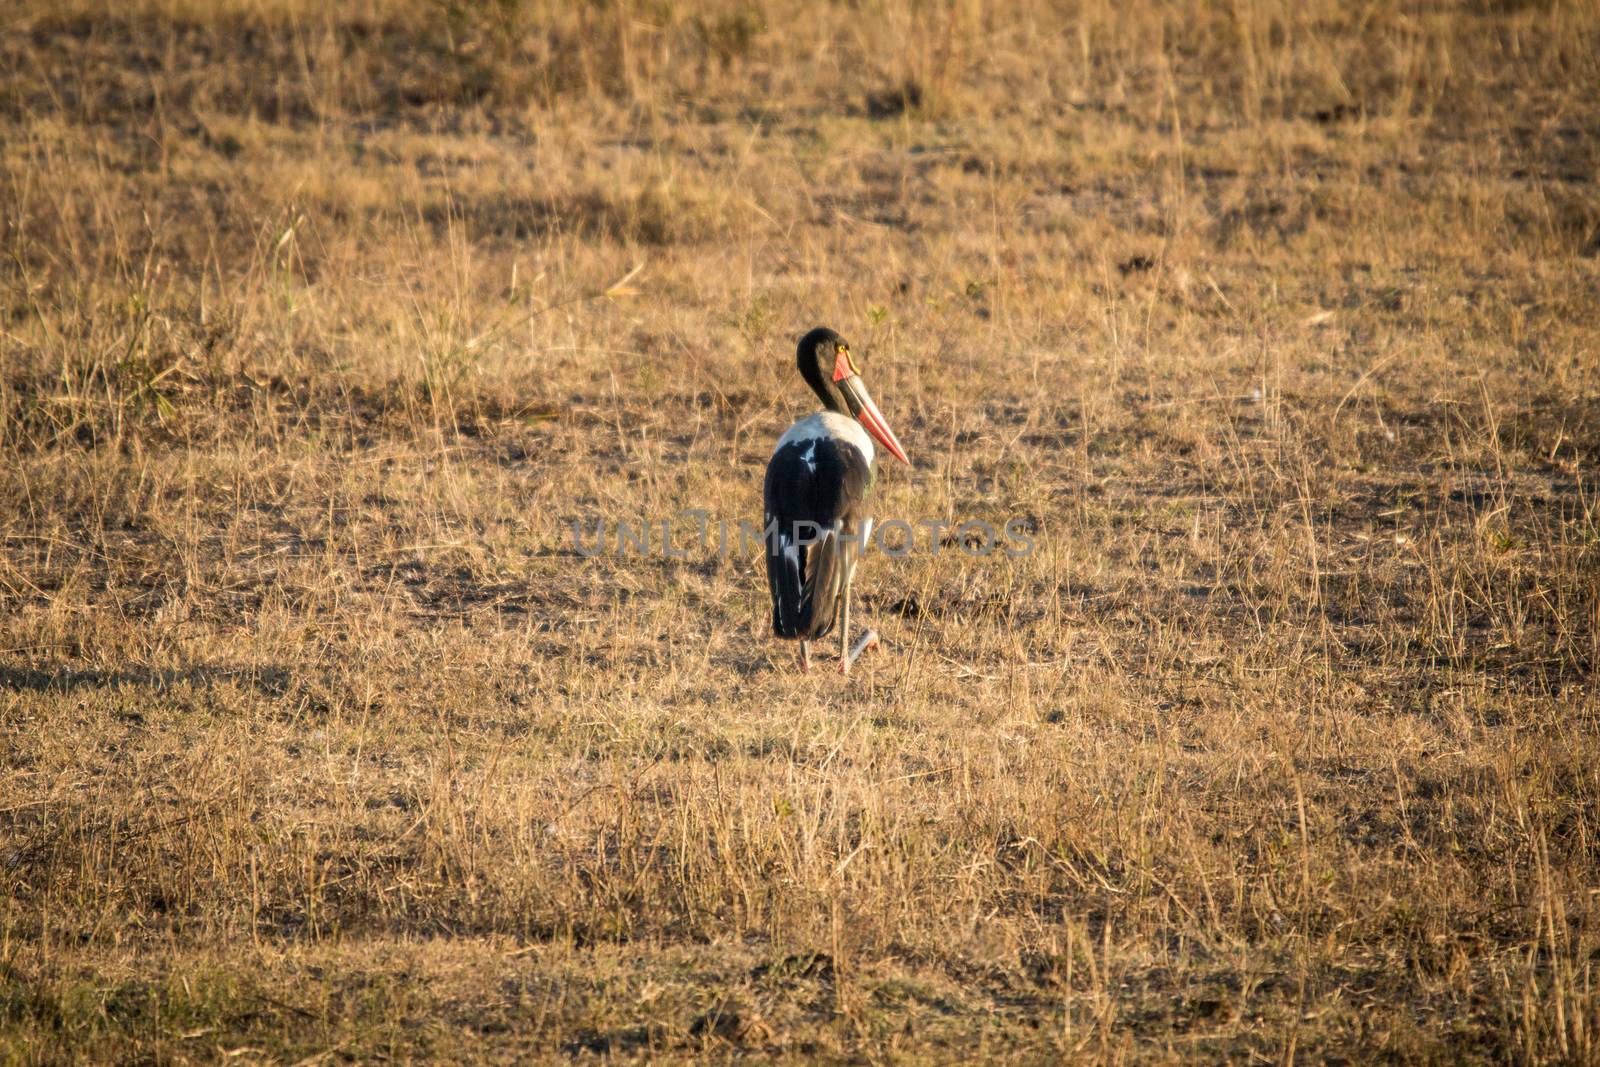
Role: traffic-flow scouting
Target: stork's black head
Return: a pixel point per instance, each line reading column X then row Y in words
column 820, row 355
column 827, row 366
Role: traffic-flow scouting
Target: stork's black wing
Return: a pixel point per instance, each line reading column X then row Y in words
column 815, row 495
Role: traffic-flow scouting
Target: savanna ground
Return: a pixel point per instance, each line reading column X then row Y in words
column 320, row 323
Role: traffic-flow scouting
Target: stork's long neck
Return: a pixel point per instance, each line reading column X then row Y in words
column 827, row 391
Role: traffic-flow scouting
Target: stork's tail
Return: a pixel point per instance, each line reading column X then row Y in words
column 804, row 598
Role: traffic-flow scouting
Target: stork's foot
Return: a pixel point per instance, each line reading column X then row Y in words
column 864, row 642
column 804, row 658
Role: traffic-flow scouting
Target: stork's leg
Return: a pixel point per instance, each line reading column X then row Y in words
column 805, row 655
column 869, row 639
column 844, row 629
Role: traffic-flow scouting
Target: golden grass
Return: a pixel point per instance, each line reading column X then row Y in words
column 320, row 741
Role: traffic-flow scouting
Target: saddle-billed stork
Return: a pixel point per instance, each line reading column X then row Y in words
column 816, row 492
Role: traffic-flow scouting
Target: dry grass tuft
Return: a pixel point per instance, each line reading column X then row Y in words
column 320, row 322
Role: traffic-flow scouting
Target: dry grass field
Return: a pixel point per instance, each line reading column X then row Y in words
column 320, row 322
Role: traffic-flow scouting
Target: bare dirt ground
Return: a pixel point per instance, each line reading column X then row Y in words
column 1278, row 322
